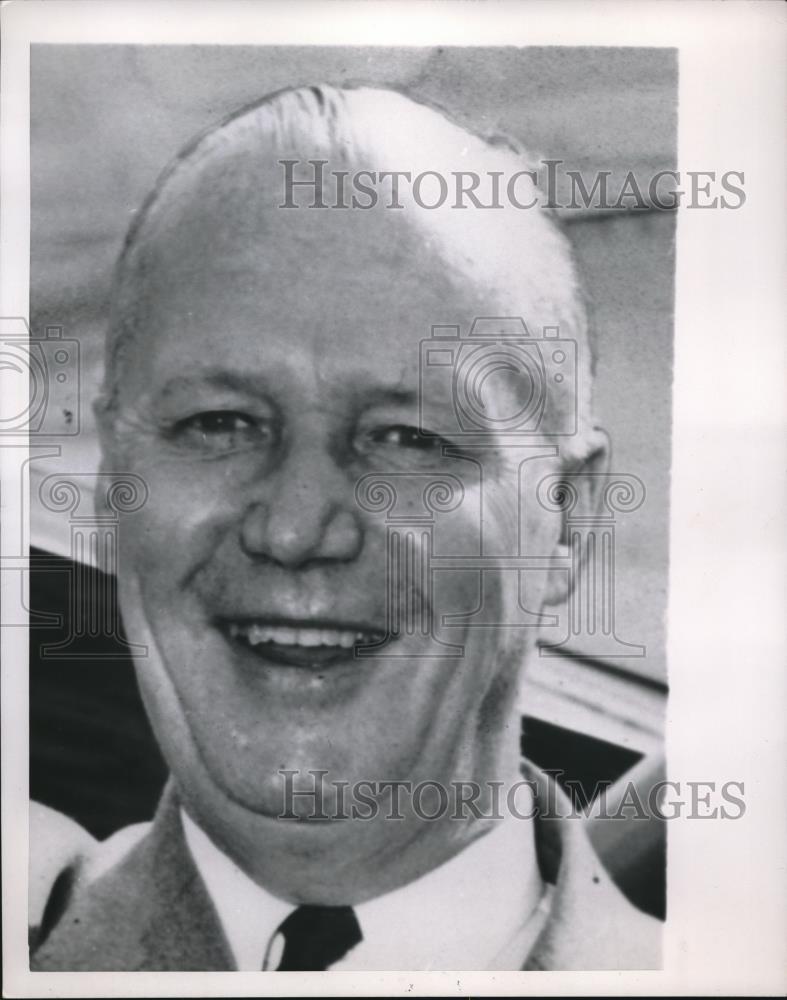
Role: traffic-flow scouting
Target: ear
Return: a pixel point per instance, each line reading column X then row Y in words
column 584, row 484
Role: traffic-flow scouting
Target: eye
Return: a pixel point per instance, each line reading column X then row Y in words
column 405, row 436
column 220, row 431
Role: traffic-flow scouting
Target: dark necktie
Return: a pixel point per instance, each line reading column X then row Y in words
column 317, row 936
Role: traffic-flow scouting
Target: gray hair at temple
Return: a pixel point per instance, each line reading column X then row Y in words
column 521, row 256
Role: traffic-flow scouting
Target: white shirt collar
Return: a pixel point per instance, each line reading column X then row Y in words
column 476, row 911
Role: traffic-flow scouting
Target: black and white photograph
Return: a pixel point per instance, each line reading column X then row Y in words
column 347, row 511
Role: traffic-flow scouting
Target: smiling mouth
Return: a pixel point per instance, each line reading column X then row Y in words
column 299, row 644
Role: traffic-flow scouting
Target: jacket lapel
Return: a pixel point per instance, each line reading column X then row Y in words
column 150, row 911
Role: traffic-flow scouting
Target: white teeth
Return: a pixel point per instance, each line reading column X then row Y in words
column 307, row 637
column 284, row 636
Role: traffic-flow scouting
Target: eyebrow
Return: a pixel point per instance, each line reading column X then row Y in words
column 387, row 394
column 214, row 378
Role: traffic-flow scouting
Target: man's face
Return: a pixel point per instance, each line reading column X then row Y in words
column 274, row 367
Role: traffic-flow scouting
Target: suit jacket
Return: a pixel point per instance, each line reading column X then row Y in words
column 137, row 903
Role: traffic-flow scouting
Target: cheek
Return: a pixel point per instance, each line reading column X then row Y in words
column 506, row 522
column 178, row 527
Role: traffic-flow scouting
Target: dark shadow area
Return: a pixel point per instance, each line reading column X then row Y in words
column 92, row 752
column 579, row 763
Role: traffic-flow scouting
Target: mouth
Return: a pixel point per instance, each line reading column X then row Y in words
column 311, row 645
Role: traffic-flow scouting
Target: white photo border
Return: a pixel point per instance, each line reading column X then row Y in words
column 726, row 931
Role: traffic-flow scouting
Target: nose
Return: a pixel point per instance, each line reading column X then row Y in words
column 303, row 513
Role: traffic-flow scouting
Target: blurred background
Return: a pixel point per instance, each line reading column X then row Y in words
column 105, row 119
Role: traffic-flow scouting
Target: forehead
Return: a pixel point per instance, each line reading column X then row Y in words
column 351, row 289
